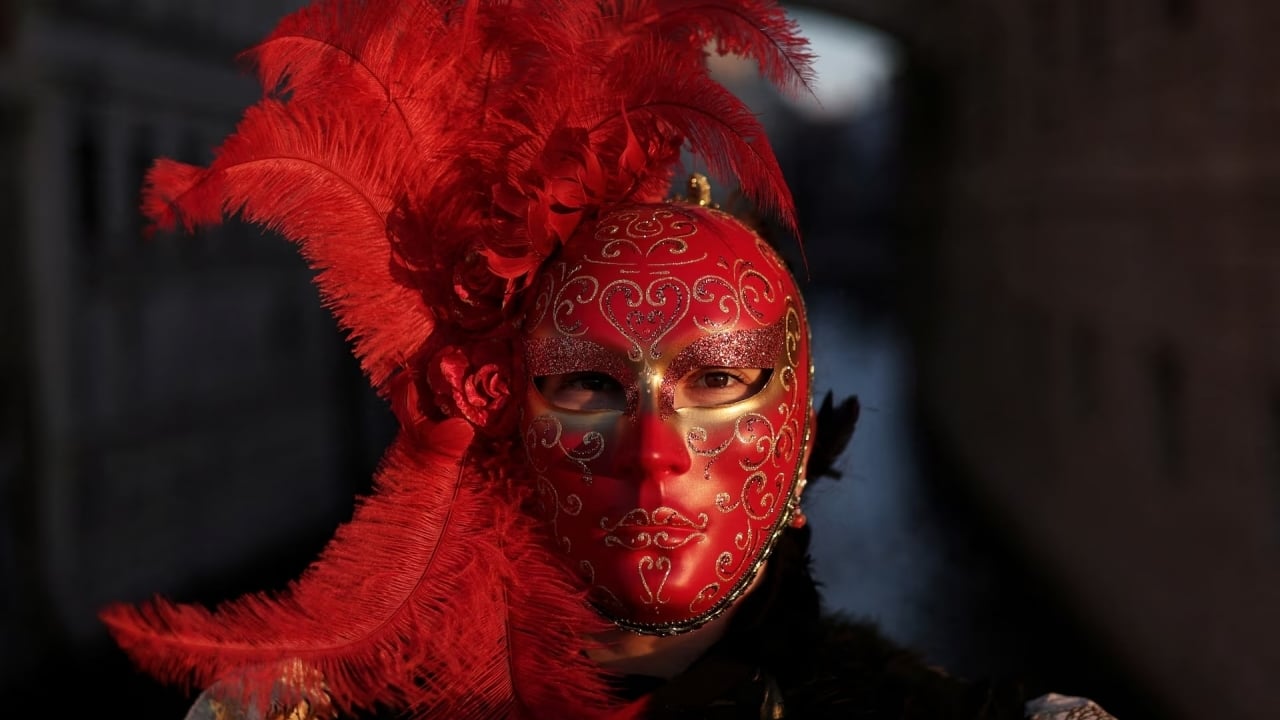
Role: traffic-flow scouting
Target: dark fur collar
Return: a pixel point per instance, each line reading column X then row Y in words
column 784, row 658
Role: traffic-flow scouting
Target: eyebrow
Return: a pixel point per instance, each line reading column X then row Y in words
column 759, row 348
column 561, row 355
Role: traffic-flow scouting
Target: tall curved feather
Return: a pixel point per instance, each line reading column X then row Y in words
column 354, row 609
column 756, row 29
column 326, row 180
column 417, row 570
column 720, row 129
column 352, row 49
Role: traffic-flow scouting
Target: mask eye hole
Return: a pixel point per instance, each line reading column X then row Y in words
column 582, row 391
column 716, row 386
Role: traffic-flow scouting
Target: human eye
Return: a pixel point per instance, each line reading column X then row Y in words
column 715, row 386
column 582, row 391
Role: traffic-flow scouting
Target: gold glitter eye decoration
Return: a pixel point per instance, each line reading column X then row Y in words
column 716, row 386
column 583, row 391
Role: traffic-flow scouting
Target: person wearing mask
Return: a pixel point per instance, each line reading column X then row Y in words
column 592, row 508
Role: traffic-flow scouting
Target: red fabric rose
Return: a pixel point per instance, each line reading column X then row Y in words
column 547, row 204
column 521, row 223
column 417, row 421
column 571, row 172
column 475, row 383
column 479, row 295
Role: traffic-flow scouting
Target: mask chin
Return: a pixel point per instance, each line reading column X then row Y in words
column 625, row 618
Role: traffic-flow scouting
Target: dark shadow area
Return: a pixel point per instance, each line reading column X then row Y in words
column 1019, row 621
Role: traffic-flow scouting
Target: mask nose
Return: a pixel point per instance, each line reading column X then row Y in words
column 657, row 447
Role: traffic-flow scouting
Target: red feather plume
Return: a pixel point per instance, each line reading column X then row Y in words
column 408, row 597
column 426, row 156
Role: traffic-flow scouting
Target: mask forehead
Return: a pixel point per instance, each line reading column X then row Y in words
column 651, row 280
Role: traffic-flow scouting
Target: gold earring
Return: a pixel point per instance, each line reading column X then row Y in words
column 798, row 519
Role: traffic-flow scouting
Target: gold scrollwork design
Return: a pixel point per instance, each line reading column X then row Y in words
column 661, row 540
column 547, row 292
column 763, row 441
column 693, row 440
column 724, row 566
column 794, row 335
column 566, row 303
column 727, row 565
column 546, row 431
column 660, row 564
column 757, row 506
column 591, row 448
column 729, row 302
column 646, row 225
column 725, row 503
column 752, row 295
column 787, row 378
column 749, row 290
column 667, row 301
column 551, row 508
column 611, row 249
column 665, row 230
column 674, row 245
column 785, row 441
column 704, row 598
column 660, row 517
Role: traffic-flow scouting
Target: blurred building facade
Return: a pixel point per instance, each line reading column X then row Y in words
column 132, row 368
column 1094, row 276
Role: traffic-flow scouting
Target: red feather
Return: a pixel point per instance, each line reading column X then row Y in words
column 370, row 115
column 434, row 579
column 402, row 144
column 326, row 178
column 756, row 29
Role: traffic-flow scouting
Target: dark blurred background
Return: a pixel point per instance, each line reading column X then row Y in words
column 1042, row 241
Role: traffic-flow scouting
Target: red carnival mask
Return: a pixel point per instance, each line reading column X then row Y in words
column 669, row 414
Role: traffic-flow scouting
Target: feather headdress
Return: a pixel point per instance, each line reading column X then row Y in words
column 426, row 156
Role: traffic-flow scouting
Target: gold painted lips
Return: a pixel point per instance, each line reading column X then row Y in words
column 661, row 517
column 664, row 528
